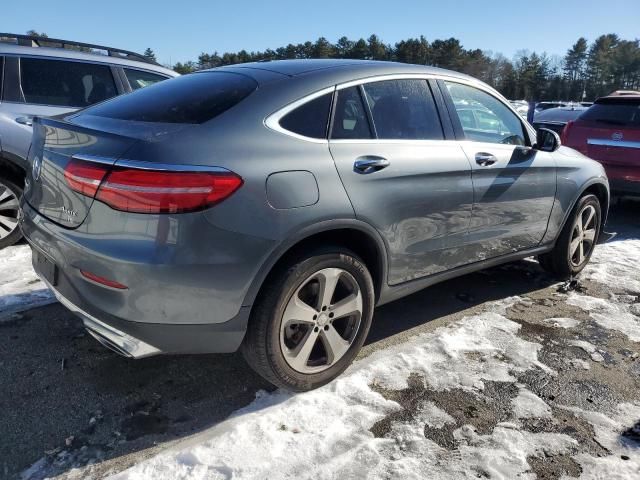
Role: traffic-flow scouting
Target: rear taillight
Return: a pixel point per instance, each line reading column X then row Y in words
column 565, row 132
column 139, row 190
column 85, row 177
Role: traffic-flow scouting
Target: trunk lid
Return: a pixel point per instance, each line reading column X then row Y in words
column 55, row 142
column 617, row 146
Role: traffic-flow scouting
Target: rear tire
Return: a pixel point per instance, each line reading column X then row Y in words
column 10, row 195
column 577, row 240
column 311, row 319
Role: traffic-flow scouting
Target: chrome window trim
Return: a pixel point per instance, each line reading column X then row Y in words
column 605, row 142
column 272, row 121
column 142, row 165
column 394, row 141
column 94, row 158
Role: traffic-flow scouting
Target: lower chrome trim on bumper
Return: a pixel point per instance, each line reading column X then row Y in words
column 110, row 337
column 606, row 142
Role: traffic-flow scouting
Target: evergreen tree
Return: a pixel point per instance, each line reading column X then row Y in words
column 150, row 55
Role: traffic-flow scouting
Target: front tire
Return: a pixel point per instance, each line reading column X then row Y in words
column 311, row 319
column 9, row 205
column 577, row 240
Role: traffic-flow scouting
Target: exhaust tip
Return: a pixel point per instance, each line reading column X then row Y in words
column 109, row 344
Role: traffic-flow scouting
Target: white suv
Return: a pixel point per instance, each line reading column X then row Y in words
column 47, row 77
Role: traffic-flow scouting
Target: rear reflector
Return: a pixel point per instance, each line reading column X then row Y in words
column 151, row 191
column 103, row 281
column 565, row 132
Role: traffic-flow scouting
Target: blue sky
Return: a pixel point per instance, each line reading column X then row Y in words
column 180, row 30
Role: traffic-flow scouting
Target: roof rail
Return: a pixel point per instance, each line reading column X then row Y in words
column 37, row 41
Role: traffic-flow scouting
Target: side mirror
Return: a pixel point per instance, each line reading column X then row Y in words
column 547, row 140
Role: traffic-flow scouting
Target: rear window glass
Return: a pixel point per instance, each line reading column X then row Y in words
column 614, row 113
column 194, row 98
column 310, row 119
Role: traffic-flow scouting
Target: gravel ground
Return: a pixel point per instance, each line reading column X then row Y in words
column 67, row 402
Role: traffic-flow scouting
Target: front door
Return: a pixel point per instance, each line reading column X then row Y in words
column 402, row 176
column 514, row 184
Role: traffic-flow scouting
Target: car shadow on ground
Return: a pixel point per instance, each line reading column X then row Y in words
column 71, row 401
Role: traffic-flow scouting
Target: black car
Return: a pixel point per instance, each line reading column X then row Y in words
column 556, row 118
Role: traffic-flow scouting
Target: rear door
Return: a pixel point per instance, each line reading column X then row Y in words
column 46, row 87
column 401, row 174
column 514, row 185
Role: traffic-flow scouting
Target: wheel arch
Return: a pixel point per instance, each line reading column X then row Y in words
column 600, row 189
column 353, row 234
column 11, row 171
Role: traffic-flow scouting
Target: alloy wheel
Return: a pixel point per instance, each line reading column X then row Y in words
column 321, row 320
column 583, row 235
column 9, row 206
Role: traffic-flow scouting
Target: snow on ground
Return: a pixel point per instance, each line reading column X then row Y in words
column 528, row 405
column 20, row 287
column 615, row 314
column 607, row 429
column 563, row 322
column 325, row 433
column 616, row 263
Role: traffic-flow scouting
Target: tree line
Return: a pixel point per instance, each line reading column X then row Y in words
column 586, row 72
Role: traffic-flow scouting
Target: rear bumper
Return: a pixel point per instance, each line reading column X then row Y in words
column 179, row 302
column 620, row 186
column 110, row 337
column 139, row 340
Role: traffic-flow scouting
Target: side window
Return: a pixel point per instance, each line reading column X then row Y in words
column 1, row 76
column 65, row 84
column 140, row 79
column 494, row 121
column 403, row 109
column 310, row 119
column 350, row 119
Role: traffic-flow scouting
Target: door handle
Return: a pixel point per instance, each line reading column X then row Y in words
column 485, row 159
column 370, row 164
column 28, row 121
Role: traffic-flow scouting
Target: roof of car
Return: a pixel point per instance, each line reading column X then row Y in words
column 559, row 114
column 294, row 68
column 66, row 53
column 621, row 96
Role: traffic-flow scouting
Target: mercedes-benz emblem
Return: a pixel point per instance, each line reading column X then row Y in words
column 36, row 169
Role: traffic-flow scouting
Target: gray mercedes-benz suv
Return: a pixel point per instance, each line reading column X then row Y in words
column 271, row 206
column 47, row 77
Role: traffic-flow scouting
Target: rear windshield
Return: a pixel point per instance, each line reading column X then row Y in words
column 193, row 98
column 620, row 113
